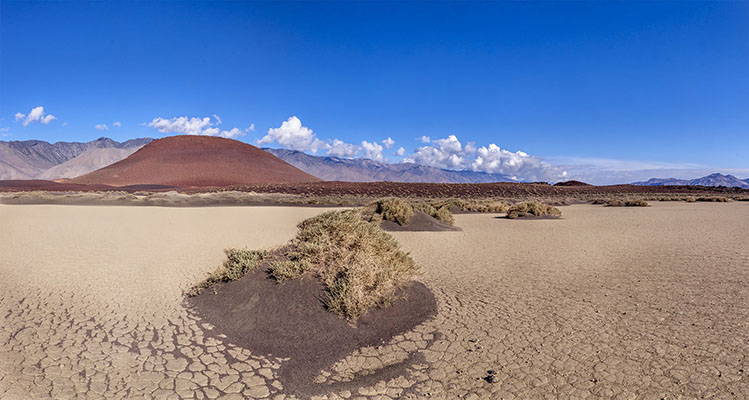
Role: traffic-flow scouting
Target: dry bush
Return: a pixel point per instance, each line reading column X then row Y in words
column 439, row 213
column 478, row 206
column 533, row 208
column 636, row 203
column 394, row 209
column 714, row 199
column 360, row 265
column 443, row 214
column 238, row 263
column 690, row 199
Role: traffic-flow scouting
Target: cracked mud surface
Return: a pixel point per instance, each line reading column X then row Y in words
column 605, row 303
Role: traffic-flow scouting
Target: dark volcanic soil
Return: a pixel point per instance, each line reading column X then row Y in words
column 289, row 320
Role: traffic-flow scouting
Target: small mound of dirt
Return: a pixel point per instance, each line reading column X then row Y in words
column 289, row 320
column 420, row 222
column 572, row 183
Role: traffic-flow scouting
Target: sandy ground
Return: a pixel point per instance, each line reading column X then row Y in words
column 618, row 303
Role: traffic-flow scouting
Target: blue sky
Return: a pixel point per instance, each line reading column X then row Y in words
column 606, row 91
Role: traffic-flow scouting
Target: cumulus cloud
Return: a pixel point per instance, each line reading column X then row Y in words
column 372, row 150
column 401, row 151
column 450, row 153
column 339, row 148
column 425, row 139
column 196, row 126
column 102, row 127
column 117, row 124
column 389, row 142
column 36, row 114
column 251, row 128
column 293, row 135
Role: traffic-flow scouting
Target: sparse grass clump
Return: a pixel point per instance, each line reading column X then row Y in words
column 635, row 203
column 477, row 206
column 533, row 208
column 238, row 263
column 360, row 265
column 714, row 199
column 394, row 209
column 441, row 213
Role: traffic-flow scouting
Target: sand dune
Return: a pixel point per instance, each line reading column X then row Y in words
column 606, row 302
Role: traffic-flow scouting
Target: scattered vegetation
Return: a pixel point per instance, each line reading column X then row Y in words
column 360, row 265
column 477, row 206
column 533, row 208
column 238, row 263
column 714, row 199
column 394, row 209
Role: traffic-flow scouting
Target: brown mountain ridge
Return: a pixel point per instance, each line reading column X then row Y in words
column 196, row 161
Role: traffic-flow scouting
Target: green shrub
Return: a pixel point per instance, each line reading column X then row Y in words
column 360, row 265
column 394, row 209
column 533, row 208
column 238, row 263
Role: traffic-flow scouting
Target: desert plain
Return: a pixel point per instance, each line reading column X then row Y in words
column 606, row 302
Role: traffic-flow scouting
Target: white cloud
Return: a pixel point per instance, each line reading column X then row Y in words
column 425, row 139
column 4, row 132
column 102, row 127
column 401, row 151
column 251, row 128
column 389, row 142
column 293, row 135
column 372, row 150
column 338, row 148
column 36, row 114
column 190, row 126
column 116, row 123
column 196, row 126
column 450, row 153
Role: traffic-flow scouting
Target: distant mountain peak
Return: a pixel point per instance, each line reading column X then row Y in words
column 714, row 179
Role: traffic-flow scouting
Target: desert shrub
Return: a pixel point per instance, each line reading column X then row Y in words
column 238, row 263
column 443, row 214
column 425, row 208
column 478, row 206
column 360, row 265
column 690, row 199
column 713, row 199
column 635, row 203
column 394, row 209
column 282, row 270
column 439, row 213
column 534, row 208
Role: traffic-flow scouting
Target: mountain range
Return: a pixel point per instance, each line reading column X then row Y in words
column 366, row 170
column 709, row 180
column 37, row 159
